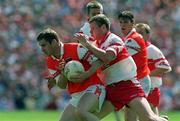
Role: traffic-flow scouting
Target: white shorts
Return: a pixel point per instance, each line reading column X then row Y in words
column 91, row 89
column 146, row 84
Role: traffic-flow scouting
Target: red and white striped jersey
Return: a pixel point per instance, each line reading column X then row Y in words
column 123, row 66
column 75, row 51
column 156, row 59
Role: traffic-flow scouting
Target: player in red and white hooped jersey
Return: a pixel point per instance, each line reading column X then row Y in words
column 157, row 63
column 93, row 8
column 119, row 73
column 89, row 93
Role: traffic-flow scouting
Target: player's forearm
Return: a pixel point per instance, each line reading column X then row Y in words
column 62, row 82
column 96, row 65
column 99, row 53
column 158, row 71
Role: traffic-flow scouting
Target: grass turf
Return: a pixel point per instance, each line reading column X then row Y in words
column 54, row 116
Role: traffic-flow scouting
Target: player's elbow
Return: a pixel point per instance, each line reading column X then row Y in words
column 108, row 59
column 169, row 70
column 166, row 70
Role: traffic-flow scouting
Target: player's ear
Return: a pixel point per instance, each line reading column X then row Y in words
column 133, row 21
column 103, row 27
column 54, row 42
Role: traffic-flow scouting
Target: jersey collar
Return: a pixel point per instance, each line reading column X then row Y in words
column 104, row 38
column 132, row 31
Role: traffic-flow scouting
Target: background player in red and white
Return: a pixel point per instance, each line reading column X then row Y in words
column 92, row 8
column 119, row 73
column 87, row 95
column 137, row 49
column 157, row 63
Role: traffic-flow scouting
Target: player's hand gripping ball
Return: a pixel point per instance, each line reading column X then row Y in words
column 73, row 68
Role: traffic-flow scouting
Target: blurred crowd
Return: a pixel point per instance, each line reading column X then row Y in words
column 22, row 66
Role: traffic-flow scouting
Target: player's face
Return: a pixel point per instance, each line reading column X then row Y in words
column 45, row 47
column 94, row 11
column 126, row 25
column 96, row 31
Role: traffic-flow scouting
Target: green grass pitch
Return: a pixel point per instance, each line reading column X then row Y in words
column 54, row 116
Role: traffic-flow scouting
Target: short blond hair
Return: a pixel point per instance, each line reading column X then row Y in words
column 93, row 4
column 145, row 27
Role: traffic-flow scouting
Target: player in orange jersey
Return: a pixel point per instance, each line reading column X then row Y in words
column 88, row 94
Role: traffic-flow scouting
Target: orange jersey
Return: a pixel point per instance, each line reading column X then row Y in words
column 75, row 51
column 137, row 49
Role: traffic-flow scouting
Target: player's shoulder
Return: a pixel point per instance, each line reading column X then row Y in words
column 134, row 36
column 154, row 51
column 85, row 29
column 71, row 44
column 153, row 48
column 48, row 58
column 86, row 24
column 135, row 41
column 138, row 37
column 115, row 37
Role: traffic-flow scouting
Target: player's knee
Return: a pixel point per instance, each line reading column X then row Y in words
column 80, row 112
column 151, row 118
